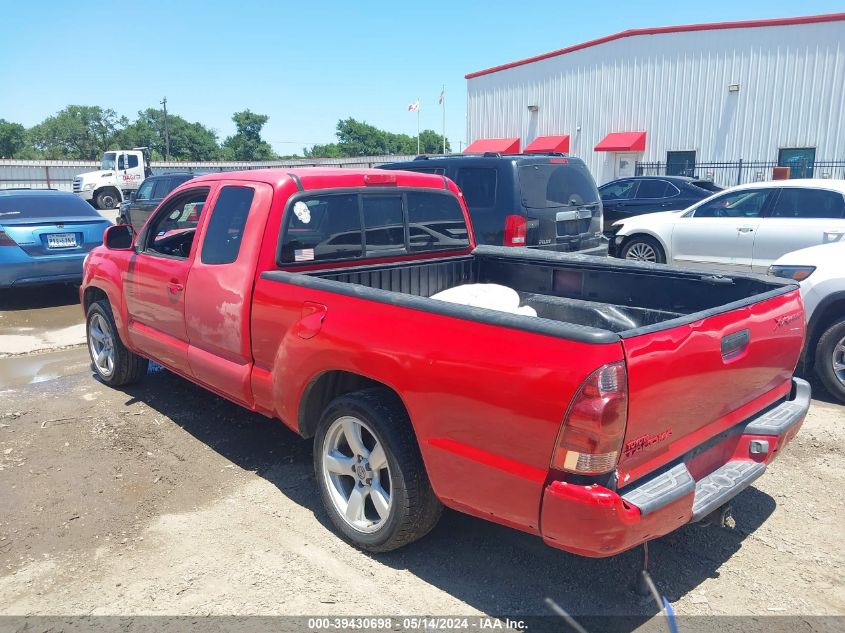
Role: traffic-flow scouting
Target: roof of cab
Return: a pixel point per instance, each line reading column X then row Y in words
column 325, row 177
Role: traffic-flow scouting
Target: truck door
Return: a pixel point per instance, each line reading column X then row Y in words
column 130, row 170
column 157, row 277
column 219, row 292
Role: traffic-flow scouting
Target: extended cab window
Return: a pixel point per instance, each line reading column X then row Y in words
column 172, row 230
column 222, row 240
column 145, row 190
column 161, row 188
column 435, row 222
column 321, row 228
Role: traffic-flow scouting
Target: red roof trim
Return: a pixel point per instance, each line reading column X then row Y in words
column 544, row 144
column 622, row 142
column 715, row 26
column 500, row 145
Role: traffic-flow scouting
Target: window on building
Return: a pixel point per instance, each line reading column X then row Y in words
column 652, row 188
column 222, row 240
column 800, row 161
column 680, row 163
column 435, row 222
column 384, row 225
column 794, row 202
column 322, row 227
column 478, row 185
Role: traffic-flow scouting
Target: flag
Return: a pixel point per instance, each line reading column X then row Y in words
column 413, row 107
column 442, row 96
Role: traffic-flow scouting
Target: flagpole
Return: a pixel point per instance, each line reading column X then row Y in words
column 418, row 126
column 443, row 92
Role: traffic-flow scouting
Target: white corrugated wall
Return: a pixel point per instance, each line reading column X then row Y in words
column 675, row 87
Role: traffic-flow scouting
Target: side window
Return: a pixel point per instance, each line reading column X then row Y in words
column 222, row 240
column 808, row 203
column 161, row 188
column 435, row 222
column 145, row 190
column 172, row 230
column 384, row 224
column 478, row 185
column 622, row 190
column 121, row 161
column 748, row 203
column 652, row 189
column 131, row 161
column 321, row 228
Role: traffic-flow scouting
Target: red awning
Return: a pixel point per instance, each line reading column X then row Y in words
column 622, row 142
column 548, row 144
column 500, row 145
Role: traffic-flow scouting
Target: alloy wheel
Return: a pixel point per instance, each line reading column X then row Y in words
column 641, row 252
column 838, row 360
column 101, row 345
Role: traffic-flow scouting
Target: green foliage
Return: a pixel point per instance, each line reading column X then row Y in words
column 188, row 141
column 81, row 132
column 12, row 139
column 247, row 143
column 357, row 138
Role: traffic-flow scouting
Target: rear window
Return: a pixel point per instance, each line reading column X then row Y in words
column 435, row 222
column 40, row 205
column 322, row 228
column 554, row 185
column 707, row 185
column 385, row 225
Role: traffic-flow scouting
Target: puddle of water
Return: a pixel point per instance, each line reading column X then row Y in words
column 26, row 370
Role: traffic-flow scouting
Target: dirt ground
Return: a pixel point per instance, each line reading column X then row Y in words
column 164, row 499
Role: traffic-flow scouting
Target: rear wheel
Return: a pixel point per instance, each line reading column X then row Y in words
column 642, row 248
column 370, row 472
column 830, row 359
column 115, row 365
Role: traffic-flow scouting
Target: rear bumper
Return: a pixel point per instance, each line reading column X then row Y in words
column 42, row 270
column 596, row 521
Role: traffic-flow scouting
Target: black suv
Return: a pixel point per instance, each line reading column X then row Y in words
column 547, row 201
column 153, row 190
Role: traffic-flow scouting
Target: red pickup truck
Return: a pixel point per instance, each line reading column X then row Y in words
column 638, row 399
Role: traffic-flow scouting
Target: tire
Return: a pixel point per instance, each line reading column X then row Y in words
column 830, row 359
column 107, row 199
column 648, row 249
column 410, row 508
column 118, row 366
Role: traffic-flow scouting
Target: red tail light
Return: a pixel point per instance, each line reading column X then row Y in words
column 591, row 435
column 515, row 226
column 5, row 240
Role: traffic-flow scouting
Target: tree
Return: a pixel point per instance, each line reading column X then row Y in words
column 247, row 144
column 81, row 132
column 188, row 141
column 432, row 143
column 12, row 139
column 357, row 138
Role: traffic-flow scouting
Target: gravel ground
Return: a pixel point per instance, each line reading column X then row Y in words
column 164, row 499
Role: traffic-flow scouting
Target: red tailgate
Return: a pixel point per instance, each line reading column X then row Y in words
column 691, row 382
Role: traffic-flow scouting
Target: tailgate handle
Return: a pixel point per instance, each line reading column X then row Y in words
column 735, row 344
column 311, row 320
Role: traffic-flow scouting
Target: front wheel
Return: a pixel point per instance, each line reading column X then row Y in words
column 641, row 248
column 107, row 200
column 370, row 472
column 115, row 365
column 830, row 359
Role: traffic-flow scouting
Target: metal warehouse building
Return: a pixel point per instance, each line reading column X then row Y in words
column 728, row 101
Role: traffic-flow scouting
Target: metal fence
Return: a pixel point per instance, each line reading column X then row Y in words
column 739, row 172
column 59, row 174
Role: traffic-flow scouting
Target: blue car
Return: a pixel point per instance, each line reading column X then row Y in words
column 45, row 235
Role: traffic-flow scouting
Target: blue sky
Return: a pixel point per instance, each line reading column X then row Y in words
column 305, row 64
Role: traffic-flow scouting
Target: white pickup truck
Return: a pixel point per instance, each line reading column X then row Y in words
column 121, row 172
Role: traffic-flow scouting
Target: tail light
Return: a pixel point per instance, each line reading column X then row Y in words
column 590, row 438
column 515, row 227
column 5, row 240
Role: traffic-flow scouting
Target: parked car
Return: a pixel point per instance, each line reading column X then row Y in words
column 742, row 229
column 821, row 271
column 45, row 235
column 140, row 204
column 536, row 200
column 579, row 425
column 628, row 197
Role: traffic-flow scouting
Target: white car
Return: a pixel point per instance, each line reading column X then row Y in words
column 742, row 229
column 821, row 273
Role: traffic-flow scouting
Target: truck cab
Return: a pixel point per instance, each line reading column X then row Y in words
column 121, row 172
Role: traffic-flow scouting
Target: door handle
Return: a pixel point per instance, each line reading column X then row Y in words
column 311, row 320
column 175, row 288
column 745, row 229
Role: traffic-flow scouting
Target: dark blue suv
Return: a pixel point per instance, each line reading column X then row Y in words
column 546, row 201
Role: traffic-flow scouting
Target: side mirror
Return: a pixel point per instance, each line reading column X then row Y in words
column 119, row 237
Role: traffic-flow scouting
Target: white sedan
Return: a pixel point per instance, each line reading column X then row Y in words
column 743, row 229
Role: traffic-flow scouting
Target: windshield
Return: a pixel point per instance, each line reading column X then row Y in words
column 554, row 185
column 38, row 205
column 108, row 161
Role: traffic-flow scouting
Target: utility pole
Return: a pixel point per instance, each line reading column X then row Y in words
column 166, row 131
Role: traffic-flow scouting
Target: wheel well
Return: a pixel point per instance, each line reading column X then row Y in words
column 325, row 388
column 819, row 322
column 91, row 295
column 640, row 234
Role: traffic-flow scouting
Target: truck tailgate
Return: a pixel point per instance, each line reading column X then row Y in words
column 691, row 382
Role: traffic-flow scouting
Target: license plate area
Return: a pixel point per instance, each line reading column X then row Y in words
column 61, row 240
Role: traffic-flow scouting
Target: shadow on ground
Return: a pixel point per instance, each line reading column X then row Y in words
column 492, row 568
column 37, row 297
